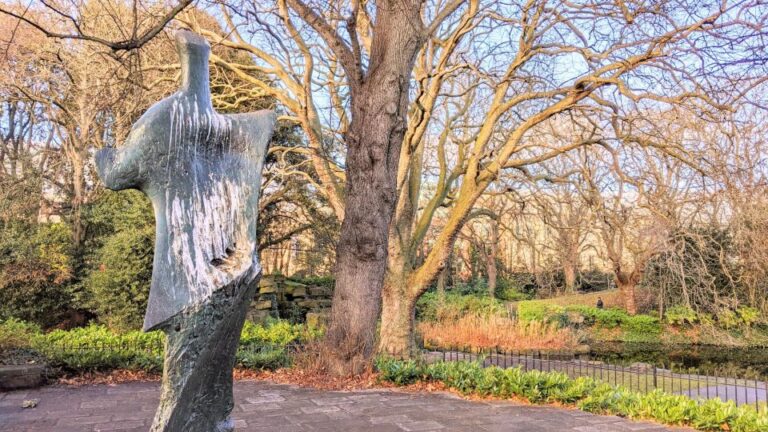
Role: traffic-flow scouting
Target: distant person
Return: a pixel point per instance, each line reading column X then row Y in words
column 599, row 302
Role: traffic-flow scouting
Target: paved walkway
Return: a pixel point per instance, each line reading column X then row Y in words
column 270, row 407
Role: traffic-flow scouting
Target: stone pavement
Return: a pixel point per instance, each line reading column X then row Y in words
column 262, row 406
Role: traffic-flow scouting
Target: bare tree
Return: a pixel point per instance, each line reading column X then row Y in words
column 363, row 54
column 563, row 213
column 494, row 113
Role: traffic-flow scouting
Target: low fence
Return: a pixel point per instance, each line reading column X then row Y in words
column 638, row 377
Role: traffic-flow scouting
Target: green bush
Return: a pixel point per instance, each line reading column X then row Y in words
column 399, row 372
column 475, row 287
column 586, row 393
column 97, row 347
column 728, row 319
column 605, row 318
column 637, row 328
column 681, row 315
column 749, row 316
column 119, row 258
column 16, row 334
column 454, row 306
column 511, row 294
column 36, row 270
column 276, row 332
column 119, row 286
column 324, row 281
column 510, row 289
column 537, row 310
column 641, row 328
column 269, row 357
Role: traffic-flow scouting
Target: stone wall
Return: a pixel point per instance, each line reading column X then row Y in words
column 279, row 297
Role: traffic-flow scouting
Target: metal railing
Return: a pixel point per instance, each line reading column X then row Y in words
column 640, row 377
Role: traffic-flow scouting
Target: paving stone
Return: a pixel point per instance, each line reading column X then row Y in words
column 421, row 426
column 273, row 407
column 120, row 425
column 399, row 418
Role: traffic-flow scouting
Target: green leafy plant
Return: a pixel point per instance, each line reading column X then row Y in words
column 681, row 315
column 536, row 310
column 276, row 332
column 266, row 357
column 749, row 316
column 586, row 393
column 16, row 334
column 119, row 286
column 641, row 328
column 98, row 347
column 728, row 319
column 511, row 294
column 453, row 306
column 398, row 371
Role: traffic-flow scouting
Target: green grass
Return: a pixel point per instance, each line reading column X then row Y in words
column 611, row 298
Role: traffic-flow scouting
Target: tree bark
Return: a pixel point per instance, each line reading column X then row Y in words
column 407, row 283
column 78, row 198
column 627, row 290
column 379, row 110
column 442, row 281
column 569, row 272
column 491, row 260
column 397, row 318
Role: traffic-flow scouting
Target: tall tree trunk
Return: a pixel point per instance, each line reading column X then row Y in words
column 569, row 272
column 397, row 317
column 78, row 199
column 492, row 276
column 406, row 283
column 491, row 260
column 379, row 110
column 442, row 281
column 627, row 290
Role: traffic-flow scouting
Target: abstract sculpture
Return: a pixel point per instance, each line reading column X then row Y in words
column 202, row 172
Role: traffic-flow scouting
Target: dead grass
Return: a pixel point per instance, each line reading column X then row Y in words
column 501, row 332
column 113, row 377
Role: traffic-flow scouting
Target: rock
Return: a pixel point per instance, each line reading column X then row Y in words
column 259, row 316
column 262, row 305
column 15, row 377
column 299, row 292
column 267, row 289
column 293, row 284
column 267, row 281
column 317, row 319
column 314, row 304
column 320, row 291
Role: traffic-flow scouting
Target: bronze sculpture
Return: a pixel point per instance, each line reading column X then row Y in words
column 202, row 172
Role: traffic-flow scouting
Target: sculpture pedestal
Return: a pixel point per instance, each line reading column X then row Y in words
column 199, row 358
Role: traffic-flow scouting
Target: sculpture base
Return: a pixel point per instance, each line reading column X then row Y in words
column 199, row 357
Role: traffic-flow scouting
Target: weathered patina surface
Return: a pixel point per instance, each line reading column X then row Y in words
column 202, row 172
